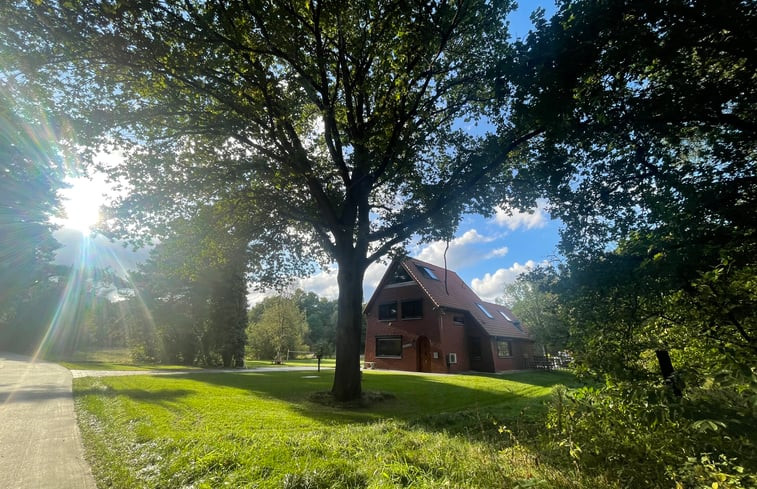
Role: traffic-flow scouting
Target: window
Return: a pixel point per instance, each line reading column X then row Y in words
column 483, row 309
column 504, row 315
column 388, row 312
column 389, row 346
column 503, row 348
column 412, row 309
column 427, row 272
column 401, row 276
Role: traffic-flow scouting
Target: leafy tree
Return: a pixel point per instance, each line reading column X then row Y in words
column 321, row 315
column 532, row 301
column 339, row 129
column 281, row 326
column 648, row 156
column 195, row 283
column 228, row 314
column 31, row 172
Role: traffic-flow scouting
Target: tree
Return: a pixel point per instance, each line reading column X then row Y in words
column 321, row 315
column 281, row 326
column 532, row 301
column 32, row 172
column 195, row 282
column 648, row 156
column 339, row 129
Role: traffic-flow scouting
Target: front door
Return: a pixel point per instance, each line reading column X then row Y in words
column 424, row 354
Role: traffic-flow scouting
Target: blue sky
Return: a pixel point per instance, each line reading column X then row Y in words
column 487, row 253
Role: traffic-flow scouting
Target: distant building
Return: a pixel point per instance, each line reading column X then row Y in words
column 421, row 318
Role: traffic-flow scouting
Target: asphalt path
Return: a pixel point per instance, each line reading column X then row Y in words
column 40, row 444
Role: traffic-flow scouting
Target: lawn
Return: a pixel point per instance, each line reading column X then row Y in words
column 263, row 430
column 120, row 359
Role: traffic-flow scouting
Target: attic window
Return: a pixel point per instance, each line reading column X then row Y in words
column 401, row 276
column 427, row 272
column 483, row 309
column 504, row 315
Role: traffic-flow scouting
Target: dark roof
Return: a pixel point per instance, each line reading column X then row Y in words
column 456, row 294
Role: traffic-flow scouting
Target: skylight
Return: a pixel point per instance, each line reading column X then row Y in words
column 483, row 309
column 504, row 315
column 427, row 272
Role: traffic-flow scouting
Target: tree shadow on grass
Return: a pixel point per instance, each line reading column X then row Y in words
column 426, row 401
column 161, row 397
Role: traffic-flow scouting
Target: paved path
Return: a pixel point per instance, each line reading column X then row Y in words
column 40, row 445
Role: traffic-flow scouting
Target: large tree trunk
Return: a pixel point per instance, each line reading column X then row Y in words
column 349, row 323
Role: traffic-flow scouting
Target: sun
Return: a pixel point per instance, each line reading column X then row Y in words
column 81, row 204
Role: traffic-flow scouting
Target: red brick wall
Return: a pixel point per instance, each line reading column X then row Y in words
column 517, row 361
column 453, row 339
column 409, row 329
column 445, row 336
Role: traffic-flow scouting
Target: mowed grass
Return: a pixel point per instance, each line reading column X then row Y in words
column 262, row 430
column 120, row 359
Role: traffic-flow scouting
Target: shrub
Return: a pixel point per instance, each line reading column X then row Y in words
column 643, row 436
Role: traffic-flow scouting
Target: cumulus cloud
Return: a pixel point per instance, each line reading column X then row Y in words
column 493, row 284
column 322, row 283
column 513, row 219
column 462, row 250
column 498, row 252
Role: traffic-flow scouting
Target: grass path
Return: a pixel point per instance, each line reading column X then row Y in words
column 262, row 430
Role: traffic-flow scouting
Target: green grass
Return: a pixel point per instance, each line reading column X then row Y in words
column 108, row 359
column 262, row 430
column 122, row 366
column 305, row 362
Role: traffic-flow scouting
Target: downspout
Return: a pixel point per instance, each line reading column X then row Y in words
column 441, row 338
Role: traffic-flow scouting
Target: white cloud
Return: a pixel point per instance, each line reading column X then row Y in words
column 513, row 219
column 322, row 283
column 493, row 284
column 498, row 252
column 462, row 250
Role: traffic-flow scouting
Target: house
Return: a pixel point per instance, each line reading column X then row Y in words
column 424, row 318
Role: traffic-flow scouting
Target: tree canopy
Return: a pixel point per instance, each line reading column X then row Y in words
column 340, row 129
column 31, row 173
column 648, row 157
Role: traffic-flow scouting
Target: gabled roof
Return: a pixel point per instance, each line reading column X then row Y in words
column 454, row 293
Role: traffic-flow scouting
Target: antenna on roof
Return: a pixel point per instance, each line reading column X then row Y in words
column 445, row 266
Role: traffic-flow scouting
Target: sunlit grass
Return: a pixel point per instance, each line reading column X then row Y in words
column 305, row 362
column 262, row 430
column 120, row 359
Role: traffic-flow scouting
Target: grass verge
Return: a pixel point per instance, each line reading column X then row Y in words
column 262, row 430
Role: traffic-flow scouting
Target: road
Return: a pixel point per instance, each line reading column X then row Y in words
column 40, row 444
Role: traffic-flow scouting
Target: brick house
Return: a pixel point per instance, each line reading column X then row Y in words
column 423, row 319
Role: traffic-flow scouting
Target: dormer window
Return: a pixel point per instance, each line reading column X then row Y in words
column 427, row 272
column 483, row 309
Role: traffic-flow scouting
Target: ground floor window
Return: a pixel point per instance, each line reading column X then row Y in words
column 504, row 348
column 389, row 346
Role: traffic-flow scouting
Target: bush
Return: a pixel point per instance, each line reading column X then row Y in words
column 643, row 436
